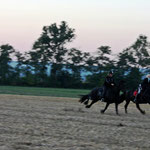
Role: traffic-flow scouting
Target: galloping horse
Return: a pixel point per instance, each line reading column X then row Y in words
column 112, row 96
column 142, row 98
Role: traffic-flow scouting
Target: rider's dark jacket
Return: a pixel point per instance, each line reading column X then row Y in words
column 108, row 81
column 145, row 84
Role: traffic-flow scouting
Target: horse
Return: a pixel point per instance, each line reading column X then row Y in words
column 112, row 96
column 128, row 97
column 142, row 98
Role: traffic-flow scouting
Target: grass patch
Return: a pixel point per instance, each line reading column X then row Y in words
column 37, row 91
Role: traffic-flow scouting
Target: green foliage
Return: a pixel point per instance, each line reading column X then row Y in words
column 50, row 49
column 103, row 57
column 132, row 59
column 50, row 46
column 67, row 64
column 137, row 55
column 75, row 62
column 5, row 68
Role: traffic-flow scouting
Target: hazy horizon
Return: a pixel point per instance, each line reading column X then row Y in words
column 115, row 23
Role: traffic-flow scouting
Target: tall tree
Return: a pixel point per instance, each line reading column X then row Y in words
column 76, row 60
column 18, row 70
column 104, row 58
column 134, row 59
column 50, row 46
column 39, row 63
column 5, row 59
column 76, row 64
column 137, row 55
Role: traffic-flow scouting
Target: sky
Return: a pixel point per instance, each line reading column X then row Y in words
column 115, row 23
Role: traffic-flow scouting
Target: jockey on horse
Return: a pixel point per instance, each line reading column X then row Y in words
column 143, row 86
column 108, row 83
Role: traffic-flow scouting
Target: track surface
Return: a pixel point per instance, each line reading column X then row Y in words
column 49, row 123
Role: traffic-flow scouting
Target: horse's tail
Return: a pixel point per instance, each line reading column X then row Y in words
column 83, row 98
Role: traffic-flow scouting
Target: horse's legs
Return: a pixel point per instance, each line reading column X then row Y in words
column 86, row 102
column 93, row 101
column 116, row 106
column 126, row 106
column 102, row 111
column 138, row 107
column 137, row 104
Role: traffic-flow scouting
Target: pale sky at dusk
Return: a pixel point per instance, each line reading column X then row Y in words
column 116, row 23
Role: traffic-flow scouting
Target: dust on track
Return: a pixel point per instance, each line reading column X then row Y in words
column 51, row 123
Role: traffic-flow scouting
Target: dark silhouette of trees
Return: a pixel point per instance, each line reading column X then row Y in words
column 101, row 64
column 51, row 63
column 6, row 70
column 50, row 49
column 132, row 60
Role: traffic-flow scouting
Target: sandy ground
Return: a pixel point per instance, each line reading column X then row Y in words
column 48, row 123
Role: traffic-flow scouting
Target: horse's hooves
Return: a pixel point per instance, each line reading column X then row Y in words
column 102, row 111
column 143, row 112
column 87, row 106
column 85, row 103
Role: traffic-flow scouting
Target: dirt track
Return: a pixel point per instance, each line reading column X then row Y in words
column 48, row 123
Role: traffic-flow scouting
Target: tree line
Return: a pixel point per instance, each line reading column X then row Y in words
column 67, row 64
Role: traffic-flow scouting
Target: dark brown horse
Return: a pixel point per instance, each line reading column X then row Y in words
column 142, row 98
column 112, row 96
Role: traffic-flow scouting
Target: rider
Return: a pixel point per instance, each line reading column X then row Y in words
column 143, row 86
column 146, row 83
column 108, row 83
